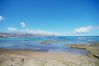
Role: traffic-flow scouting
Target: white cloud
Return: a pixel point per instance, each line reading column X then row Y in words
column 11, row 29
column 84, row 29
column 1, row 18
column 23, row 24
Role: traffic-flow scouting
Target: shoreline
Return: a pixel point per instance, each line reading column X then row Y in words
column 34, row 58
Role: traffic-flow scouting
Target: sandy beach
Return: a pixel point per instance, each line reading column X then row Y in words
column 34, row 58
column 49, row 32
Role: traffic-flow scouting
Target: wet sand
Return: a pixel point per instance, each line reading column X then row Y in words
column 9, row 57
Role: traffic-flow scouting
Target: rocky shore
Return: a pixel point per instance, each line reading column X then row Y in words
column 9, row 57
column 92, row 48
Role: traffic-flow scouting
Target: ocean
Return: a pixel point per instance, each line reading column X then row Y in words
column 47, row 43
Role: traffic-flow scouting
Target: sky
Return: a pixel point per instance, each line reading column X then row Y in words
column 59, row 17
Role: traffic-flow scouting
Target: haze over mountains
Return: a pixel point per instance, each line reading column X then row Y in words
column 23, row 35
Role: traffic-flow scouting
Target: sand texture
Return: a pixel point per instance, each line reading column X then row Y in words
column 32, row 58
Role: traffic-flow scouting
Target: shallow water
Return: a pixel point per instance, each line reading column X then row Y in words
column 55, row 43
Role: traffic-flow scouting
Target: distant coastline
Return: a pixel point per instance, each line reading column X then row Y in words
column 23, row 35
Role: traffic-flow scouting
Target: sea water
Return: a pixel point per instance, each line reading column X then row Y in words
column 47, row 43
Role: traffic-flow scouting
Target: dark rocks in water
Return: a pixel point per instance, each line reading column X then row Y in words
column 93, row 48
column 48, row 41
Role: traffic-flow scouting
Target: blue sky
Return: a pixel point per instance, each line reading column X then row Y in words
column 62, row 17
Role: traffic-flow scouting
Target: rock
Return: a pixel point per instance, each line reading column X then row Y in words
column 93, row 49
